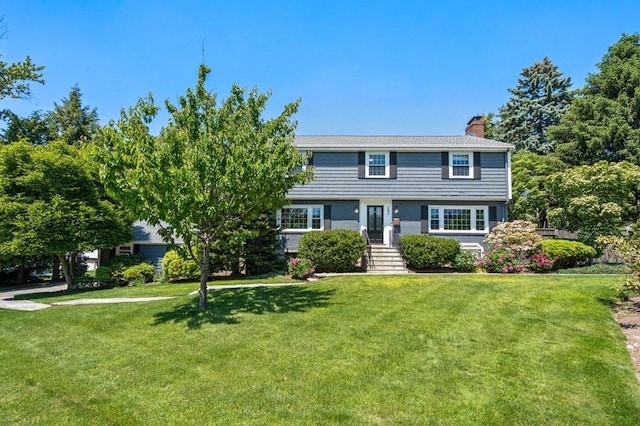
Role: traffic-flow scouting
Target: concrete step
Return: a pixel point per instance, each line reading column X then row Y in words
column 387, row 271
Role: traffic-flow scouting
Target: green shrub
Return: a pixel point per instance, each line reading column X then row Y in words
column 103, row 274
column 465, row 261
column 176, row 267
column 335, row 250
column 426, row 251
column 567, row 253
column 119, row 263
column 631, row 287
column 142, row 272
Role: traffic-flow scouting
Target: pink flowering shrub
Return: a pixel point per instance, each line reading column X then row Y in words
column 300, row 269
column 518, row 237
column 502, row 261
column 540, row 261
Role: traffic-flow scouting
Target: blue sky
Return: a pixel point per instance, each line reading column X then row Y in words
column 360, row 67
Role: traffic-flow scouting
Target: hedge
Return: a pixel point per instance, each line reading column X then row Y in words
column 335, row 250
column 569, row 253
column 427, row 251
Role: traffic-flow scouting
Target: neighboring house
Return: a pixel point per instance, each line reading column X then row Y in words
column 146, row 242
column 389, row 186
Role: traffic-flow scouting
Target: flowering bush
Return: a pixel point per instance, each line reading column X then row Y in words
column 502, row 261
column 518, row 237
column 540, row 261
column 300, row 269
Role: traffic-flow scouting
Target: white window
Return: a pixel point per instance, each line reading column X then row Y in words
column 460, row 165
column 301, row 218
column 377, row 164
column 124, row 250
column 458, row 219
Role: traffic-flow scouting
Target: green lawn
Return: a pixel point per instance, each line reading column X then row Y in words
column 428, row 349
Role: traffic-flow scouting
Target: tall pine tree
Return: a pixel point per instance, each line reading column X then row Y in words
column 603, row 122
column 537, row 102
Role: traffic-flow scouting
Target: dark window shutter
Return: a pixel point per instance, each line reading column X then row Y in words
column 327, row 216
column 424, row 219
column 393, row 165
column 445, row 165
column 361, row 173
column 310, row 163
column 493, row 214
column 136, row 248
column 477, row 166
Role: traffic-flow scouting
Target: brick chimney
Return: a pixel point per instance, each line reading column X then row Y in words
column 475, row 127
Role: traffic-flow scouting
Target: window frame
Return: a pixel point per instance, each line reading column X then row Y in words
column 387, row 165
column 473, row 219
column 469, row 155
column 309, row 208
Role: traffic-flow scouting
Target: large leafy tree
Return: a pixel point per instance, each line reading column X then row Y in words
column 530, row 174
column 52, row 203
column 603, row 122
column 211, row 168
column 595, row 200
column 536, row 103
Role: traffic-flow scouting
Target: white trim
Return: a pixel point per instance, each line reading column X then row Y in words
column 124, row 249
column 472, row 247
column 386, row 164
column 467, row 153
column 473, row 229
column 309, row 208
column 509, row 186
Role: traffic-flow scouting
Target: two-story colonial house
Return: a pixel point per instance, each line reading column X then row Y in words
column 389, row 186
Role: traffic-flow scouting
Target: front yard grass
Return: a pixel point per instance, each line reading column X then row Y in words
column 436, row 349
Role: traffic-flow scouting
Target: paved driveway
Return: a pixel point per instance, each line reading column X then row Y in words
column 7, row 302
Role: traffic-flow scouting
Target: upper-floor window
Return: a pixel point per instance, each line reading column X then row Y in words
column 301, row 218
column 461, row 165
column 456, row 219
column 377, row 164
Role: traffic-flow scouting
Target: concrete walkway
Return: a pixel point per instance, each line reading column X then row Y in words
column 7, row 301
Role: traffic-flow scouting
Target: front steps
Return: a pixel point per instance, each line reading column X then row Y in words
column 385, row 260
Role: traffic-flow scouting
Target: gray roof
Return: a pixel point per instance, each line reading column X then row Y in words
column 397, row 143
column 145, row 233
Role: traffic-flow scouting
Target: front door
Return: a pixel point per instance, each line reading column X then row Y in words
column 375, row 223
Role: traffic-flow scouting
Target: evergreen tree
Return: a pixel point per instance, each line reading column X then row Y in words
column 537, row 102
column 35, row 129
column 72, row 121
column 603, row 122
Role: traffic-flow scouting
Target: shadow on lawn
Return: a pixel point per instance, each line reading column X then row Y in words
column 226, row 304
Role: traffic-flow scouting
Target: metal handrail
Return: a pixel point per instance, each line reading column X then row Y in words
column 367, row 258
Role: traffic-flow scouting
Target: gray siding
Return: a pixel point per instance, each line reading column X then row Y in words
column 419, row 175
column 410, row 220
column 154, row 253
column 343, row 216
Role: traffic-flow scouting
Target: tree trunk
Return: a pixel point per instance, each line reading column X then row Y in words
column 55, row 273
column 66, row 270
column 20, row 274
column 204, row 274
